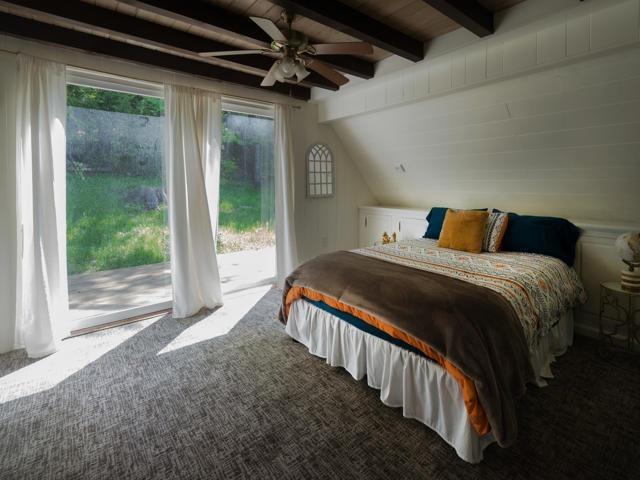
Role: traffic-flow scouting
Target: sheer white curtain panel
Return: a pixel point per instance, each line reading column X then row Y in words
column 194, row 135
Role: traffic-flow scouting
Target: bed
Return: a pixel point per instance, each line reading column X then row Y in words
column 453, row 338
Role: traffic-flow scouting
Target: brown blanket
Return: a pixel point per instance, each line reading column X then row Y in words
column 473, row 332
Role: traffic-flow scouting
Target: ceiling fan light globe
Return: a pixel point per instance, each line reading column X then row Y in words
column 288, row 67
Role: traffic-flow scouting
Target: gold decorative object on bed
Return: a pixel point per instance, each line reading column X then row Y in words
column 386, row 239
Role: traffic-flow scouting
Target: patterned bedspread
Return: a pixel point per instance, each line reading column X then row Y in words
column 540, row 288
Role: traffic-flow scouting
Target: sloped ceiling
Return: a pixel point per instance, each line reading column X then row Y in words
column 561, row 142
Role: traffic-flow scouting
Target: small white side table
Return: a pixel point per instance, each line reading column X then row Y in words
column 622, row 308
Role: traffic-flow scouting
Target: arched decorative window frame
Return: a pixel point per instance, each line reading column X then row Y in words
column 308, row 171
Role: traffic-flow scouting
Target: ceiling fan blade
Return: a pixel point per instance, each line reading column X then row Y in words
column 327, row 72
column 271, row 28
column 346, row 48
column 230, row 52
column 270, row 78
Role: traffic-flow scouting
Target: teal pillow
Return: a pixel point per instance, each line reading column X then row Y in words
column 435, row 219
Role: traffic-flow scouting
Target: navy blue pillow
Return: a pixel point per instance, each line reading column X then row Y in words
column 551, row 236
column 435, row 218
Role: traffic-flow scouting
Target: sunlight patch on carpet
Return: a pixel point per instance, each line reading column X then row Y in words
column 218, row 323
column 76, row 353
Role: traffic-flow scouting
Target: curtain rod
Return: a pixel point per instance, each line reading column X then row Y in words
column 158, row 84
column 238, row 97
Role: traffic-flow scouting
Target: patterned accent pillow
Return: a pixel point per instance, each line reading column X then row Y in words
column 494, row 231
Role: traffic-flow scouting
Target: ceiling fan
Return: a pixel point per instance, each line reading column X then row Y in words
column 296, row 53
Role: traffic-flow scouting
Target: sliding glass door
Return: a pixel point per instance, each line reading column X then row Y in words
column 117, row 235
column 117, row 232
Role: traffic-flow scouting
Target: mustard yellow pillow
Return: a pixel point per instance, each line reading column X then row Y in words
column 463, row 230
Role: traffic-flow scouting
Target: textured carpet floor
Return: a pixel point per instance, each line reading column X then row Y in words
column 254, row 404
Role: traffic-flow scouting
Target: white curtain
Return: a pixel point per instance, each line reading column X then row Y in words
column 194, row 134
column 286, row 249
column 42, row 295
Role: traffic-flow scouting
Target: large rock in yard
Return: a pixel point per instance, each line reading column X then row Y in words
column 147, row 198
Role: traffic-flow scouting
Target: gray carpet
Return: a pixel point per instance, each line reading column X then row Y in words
column 255, row 404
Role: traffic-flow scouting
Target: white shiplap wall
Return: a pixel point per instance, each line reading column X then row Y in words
column 562, row 140
column 325, row 224
column 568, row 35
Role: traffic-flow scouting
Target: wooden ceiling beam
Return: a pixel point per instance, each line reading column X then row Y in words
column 216, row 19
column 206, row 16
column 32, row 29
column 133, row 28
column 466, row 13
column 343, row 18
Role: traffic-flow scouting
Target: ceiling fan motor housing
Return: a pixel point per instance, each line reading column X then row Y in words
column 298, row 41
column 296, row 54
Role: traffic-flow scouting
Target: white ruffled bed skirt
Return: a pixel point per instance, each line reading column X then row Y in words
column 424, row 390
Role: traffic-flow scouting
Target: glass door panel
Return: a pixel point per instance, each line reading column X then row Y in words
column 246, row 235
column 117, row 235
